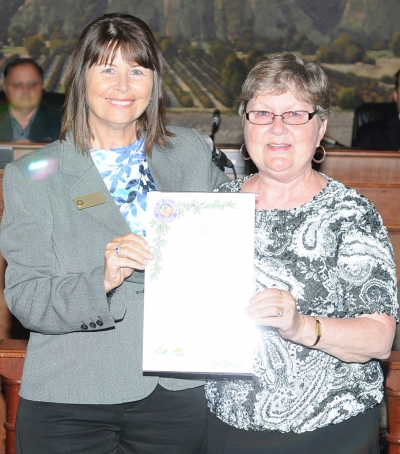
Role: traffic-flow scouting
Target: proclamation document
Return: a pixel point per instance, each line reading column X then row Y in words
column 199, row 284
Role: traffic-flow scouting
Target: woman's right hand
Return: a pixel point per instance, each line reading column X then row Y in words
column 133, row 254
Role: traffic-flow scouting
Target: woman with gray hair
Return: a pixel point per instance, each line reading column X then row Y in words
column 324, row 300
column 73, row 234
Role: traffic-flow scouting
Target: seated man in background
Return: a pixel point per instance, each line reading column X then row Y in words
column 23, row 118
column 382, row 134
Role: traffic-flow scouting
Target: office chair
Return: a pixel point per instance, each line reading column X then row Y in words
column 369, row 112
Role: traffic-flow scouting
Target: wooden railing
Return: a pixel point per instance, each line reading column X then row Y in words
column 12, row 355
column 375, row 174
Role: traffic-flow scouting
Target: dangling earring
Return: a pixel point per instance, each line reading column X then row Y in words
column 318, row 161
column 244, row 153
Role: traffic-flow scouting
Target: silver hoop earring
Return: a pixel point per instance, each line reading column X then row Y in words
column 318, row 161
column 242, row 150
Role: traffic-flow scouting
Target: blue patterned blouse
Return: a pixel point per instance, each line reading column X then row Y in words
column 127, row 176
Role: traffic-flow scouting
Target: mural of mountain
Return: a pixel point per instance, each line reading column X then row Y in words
column 234, row 35
column 204, row 20
column 374, row 19
column 325, row 15
column 8, row 9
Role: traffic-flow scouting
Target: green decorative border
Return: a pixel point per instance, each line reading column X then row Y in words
column 162, row 228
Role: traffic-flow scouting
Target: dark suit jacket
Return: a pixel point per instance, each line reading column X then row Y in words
column 45, row 127
column 383, row 134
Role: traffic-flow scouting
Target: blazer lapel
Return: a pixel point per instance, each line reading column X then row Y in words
column 166, row 171
column 84, row 179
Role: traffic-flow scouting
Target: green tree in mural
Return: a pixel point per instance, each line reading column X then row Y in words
column 220, row 51
column 243, row 42
column 233, row 76
column 348, row 98
column 64, row 19
column 347, row 49
column 57, row 46
column 56, row 31
column 379, row 44
column 28, row 18
column 253, row 57
column 17, row 35
column 326, row 54
column 149, row 11
column 33, row 45
column 70, row 45
column 3, row 34
column 395, row 44
column 8, row 9
column 196, row 52
column 77, row 17
column 387, row 80
column 353, row 53
column 168, row 48
column 307, row 47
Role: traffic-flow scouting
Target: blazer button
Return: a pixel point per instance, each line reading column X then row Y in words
column 92, row 325
column 99, row 322
column 84, row 326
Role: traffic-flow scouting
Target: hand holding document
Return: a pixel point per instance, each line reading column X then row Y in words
column 199, row 283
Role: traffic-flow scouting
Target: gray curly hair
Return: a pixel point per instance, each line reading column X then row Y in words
column 285, row 72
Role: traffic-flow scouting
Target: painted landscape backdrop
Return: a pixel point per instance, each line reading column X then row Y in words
column 210, row 45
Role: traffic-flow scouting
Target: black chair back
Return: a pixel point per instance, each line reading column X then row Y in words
column 369, row 112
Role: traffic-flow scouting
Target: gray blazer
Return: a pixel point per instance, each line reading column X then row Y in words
column 81, row 349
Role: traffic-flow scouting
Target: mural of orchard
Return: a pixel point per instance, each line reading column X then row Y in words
column 209, row 45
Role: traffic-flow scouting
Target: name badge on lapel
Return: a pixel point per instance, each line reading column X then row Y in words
column 89, row 200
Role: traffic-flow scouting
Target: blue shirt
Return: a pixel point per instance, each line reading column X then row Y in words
column 127, row 176
column 18, row 131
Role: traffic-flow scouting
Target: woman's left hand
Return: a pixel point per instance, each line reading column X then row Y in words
column 277, row 308
column 354, row 339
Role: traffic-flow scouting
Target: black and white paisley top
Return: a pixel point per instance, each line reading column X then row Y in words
column 333, row 254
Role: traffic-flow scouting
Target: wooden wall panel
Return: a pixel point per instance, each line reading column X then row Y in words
column 375, row 174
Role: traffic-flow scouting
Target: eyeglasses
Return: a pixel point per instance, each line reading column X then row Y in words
column 295, row 117
column 21, row 85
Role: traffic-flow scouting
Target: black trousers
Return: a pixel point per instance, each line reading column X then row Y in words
column 166, row 422
column 356, row 435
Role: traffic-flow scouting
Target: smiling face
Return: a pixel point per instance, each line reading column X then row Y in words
column 280, row 150
column 117, row 94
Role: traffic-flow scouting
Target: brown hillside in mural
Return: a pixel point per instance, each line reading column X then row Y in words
column 210, row 45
